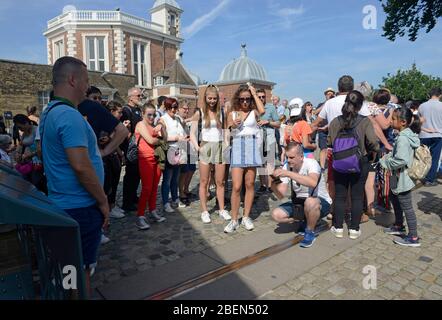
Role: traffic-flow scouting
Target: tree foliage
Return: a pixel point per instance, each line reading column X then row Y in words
column 411, row 84
column 409, row 16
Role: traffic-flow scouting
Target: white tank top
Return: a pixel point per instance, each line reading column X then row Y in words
column 173, row 127
column 249, row 127
column 211, row 134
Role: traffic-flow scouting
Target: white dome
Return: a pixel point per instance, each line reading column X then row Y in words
column 243, row 69
column 172, row 3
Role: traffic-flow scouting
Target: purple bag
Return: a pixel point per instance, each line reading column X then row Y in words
column 24, row 168
column 346, row 152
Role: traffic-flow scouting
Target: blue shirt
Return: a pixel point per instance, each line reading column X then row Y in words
column 62, row 128
column 270, row 114
column 281, row 110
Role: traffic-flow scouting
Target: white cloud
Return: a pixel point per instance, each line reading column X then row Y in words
column 288, row 12
column 203, row 21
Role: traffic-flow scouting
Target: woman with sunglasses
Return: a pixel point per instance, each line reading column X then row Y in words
column 147, row 137
column 211, row 150
column 177, row 140
column 246, row 151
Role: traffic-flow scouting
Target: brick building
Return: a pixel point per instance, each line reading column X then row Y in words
column 241, row 71
column 116, row 42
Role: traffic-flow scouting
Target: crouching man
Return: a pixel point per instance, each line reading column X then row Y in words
column 310, row 199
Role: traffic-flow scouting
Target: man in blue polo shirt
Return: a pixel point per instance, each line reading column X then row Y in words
column 71, row 157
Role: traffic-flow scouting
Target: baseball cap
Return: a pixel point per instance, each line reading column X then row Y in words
column 295, row 107
column 296, row 111
column 329, row 90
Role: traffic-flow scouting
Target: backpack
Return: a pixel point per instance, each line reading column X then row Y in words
column 346, row 152
column 421, row 163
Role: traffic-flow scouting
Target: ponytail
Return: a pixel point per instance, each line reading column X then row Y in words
column 350, row 110
column 413, row 121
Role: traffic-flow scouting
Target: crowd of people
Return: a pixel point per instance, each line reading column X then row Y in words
column 342, row 160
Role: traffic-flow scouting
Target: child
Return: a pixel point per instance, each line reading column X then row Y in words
column 400, row 183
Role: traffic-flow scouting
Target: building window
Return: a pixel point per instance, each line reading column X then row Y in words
column 95, row 54
column 158, row 81
column 43, row 99
column 172, row 25
column 58, row 50
column 139, row 63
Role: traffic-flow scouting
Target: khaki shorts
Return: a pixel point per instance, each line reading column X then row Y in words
column 212, row 152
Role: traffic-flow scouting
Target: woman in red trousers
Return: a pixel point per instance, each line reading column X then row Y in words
column 147, row 137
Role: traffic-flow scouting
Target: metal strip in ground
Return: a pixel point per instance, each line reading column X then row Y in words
column 227, row 269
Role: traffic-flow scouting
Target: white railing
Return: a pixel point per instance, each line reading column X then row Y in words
column 103, row 16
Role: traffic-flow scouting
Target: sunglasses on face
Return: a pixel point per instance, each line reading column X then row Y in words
column 262, row 97
column 245, row 100
column 150, row 115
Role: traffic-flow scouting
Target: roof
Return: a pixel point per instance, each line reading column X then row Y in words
column 243, row 69
column 177, row 74
column 172, row 3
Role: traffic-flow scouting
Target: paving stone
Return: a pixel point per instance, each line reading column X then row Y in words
column 295, row 284
column 310, row 291
column 393, row 286
column 283, row 291
column 436, row 289
column 337, row 290
column 427, row 277
column 416, row 291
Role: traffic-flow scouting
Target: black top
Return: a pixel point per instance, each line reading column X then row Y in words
column 100, row 119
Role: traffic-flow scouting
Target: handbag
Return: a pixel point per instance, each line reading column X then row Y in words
column 24, row 168
column 132, row 150
column 174, row 155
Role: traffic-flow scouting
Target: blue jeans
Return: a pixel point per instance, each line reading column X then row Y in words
column 170, row 182
column 435, row 145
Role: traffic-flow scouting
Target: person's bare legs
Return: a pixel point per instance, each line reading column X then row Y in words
column 323, row 157
column 187, row 181
column 312, row 210
column 220, row 186
column 281, row 216
column 250, row 178
column 204, row 182
column 369, row 193
column 237, row 179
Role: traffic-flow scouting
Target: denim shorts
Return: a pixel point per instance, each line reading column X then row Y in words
column 322, row 140
column 90, row 220
column 185, row 168
column 288, row 207
column 246, row 152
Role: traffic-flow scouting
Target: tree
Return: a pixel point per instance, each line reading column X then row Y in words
column 410, row 16
column 411, row 84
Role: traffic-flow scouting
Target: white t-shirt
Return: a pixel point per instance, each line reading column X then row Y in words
column 333, row 108
column 309, row 166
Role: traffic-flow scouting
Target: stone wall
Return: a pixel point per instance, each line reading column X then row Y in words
column 20, row 84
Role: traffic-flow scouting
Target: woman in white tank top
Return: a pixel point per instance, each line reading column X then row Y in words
column 211, row 150
column 246, row 151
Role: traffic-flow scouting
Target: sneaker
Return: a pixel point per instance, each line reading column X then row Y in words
column 354, row 234
column 247, row 223
column 183, row 203
column 116, row 214
column 301, row 228
column 395, row 230
column 142, row 223
column 104, row 239
column 231, row 227
column 225, row 215
column 430, row 184
column 168, row 208
column 408, row 242
column 175, row 204
column 205, row 217
column 339, row 233
column 309, row 239
column 156, row 217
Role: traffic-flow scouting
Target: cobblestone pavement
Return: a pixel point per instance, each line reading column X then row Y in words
column 131, row 250
column 402, row 273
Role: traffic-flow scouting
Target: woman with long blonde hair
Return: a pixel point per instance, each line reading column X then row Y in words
column 211, row 149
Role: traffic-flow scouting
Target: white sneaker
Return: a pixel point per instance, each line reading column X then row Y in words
column 353, row 234
column 231, row 227
column 339, row 233
column 119, row 209
column 104, row 239
column 247, row 223
column 168, row 208
column 155, row 216
column 205, row 217
column 225, row 215
column 175, row 204
column 116, row 214
column 142, row 223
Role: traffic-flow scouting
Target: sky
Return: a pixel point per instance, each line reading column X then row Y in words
column 304, row 46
